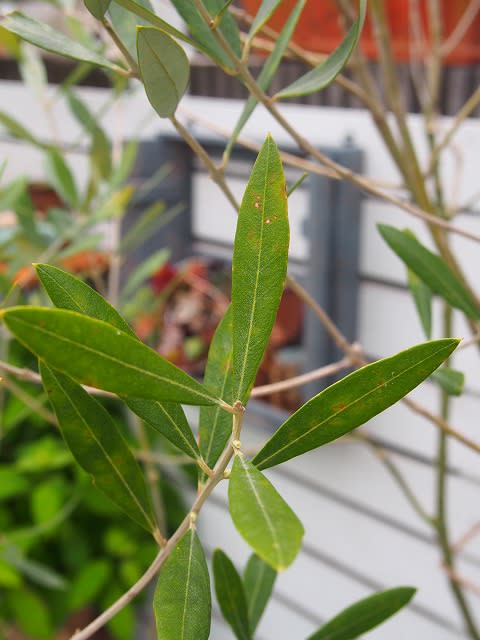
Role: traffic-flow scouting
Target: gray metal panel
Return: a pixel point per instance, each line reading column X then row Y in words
column 176, row 188
column 333, row 231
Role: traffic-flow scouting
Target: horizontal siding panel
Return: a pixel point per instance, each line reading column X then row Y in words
column 322, row 126
column 321, row 590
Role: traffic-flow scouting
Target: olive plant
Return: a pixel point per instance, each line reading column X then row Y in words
column 84, row 344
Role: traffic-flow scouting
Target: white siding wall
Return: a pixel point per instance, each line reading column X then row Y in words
column 361, row 533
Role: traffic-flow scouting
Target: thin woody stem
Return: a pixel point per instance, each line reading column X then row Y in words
column 32, row 403
column 215, row 173
column 163, row 554
column 398, row 477
column 298, row 381
column 462, row 25
column 466, row 110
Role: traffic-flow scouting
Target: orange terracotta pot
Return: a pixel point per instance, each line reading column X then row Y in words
column 319, row 28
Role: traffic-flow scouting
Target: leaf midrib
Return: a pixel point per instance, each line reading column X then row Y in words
column 165, row 70
column 178, row 430
column 187, row 582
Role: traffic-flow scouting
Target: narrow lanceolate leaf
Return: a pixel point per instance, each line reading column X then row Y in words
column 365, row 615
column 17, row 130
column 261, row 515
column 60, row 178
column 97, row 7
column 268, row 70
column 258, row 579
column 202, row 32
column 125, row 23
column 68, row 292
column 259, row 266
column 169, row 419
column 182, row 602
column 352, row 401
column 262, row 16
column 98, row 446
column 422, row 296
column 451, row 381
column 93, row 352
column 231, row 595
column 326, row 72
column 215, row 426
column 430, row 268
column 144, row 10
column 145, row 270
column 45, row 37
column 164, row 67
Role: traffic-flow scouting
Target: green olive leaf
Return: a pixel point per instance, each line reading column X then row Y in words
column 326, row 72
column 261, row 515
column 98, row 446
column 365, row 615
column 50, row 39
column 164, row 68
column 231, row 595
column 352, row 401
column 182, row 601
column 215, row 426
column 258, row 579
column 95, row 353
column 430, row 268
column 259, row 266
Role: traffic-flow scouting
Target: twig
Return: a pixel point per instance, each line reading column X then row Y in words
column 466, row 538
column 163, row 554
column 32, row 376
column 297, row 381
column 29, row 401
column 341, row 171
column 352, row 350
column 289, row 159
column 442, row 424
column 462, row 25
column 396, row 474
column 473, row 340
column 215, row 172
column 461, row 580
column 467, row 109
column 131, row 62
column 294, row 50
